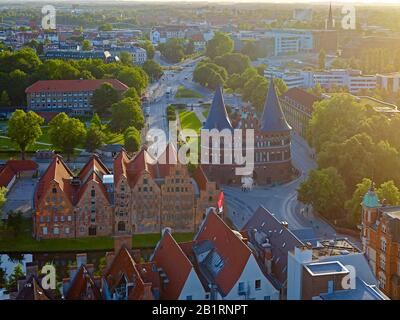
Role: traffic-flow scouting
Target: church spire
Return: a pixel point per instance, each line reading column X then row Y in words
column 330, row 23
column 218, row 117
column 273, row 119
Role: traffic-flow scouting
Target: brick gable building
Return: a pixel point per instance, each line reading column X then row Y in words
column 150, row 196
column 141, row 195
column 381, row 242
column 69, row 206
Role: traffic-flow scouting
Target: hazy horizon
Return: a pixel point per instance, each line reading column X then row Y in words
column 337, row 2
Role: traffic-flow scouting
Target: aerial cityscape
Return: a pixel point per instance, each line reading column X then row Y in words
column 202, row 150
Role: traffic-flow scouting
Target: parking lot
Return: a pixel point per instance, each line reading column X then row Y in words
column 20, row 197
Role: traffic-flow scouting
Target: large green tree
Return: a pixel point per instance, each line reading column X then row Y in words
column 335, row 120
column 132, row 139
column 148, row 46
column 210, row 74
column 173, row 50
column 66, row 133
column 219, row 45
column 153, row 69
column 134, row 77
column 12, row 283
column 24, row 129
column 94, row 138
column 104, row 97
column 389, row 193
column 233, row 62
column 353, row 205
column 325, row 190
column 126, row 113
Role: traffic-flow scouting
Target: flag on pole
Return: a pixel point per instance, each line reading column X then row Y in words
column 221, row 202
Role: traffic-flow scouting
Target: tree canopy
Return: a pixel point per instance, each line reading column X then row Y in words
column 126, row 113
column 66, row 133
column 103, row 98
column 219, row 45
column 24, row 129
column 325, row 191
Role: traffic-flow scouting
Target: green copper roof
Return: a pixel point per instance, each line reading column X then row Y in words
column 371, row 200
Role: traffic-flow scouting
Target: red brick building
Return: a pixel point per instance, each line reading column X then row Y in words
column 272, row 156
column 150, row 195
column 381, row 242
column 141, row 195
column 69, row 205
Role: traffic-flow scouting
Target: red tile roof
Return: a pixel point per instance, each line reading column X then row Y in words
column 58, row 172
column 22, row 165
column 141, row 162
column 93, row 165
column 6, row 175
column 80, row 284
column 12, row 167
column 301, row 96
column 200, row 177
column 119, row 165
column 198, row 37
column 124, row 264
column 233, row 251
column 73, row 85
column 169, row 256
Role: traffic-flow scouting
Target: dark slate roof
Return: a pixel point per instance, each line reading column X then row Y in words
column 218, row 117
column 273, row 119
column 264, row 224
column 33, row 290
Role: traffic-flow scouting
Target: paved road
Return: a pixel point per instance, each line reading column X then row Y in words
column 280, row 200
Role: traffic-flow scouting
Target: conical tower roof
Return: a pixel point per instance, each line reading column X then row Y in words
column 218, row 117
column 330, row 17
column 273, row 119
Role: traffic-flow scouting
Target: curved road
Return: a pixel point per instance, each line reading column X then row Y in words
column 280, row 200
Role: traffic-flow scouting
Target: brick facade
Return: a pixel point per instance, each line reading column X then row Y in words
column 381, row 243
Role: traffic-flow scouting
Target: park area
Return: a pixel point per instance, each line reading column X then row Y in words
column 187, row 93
column 189, row 120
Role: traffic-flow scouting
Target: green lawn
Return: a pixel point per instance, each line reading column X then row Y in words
column 112, row 137
column 25, row 243
column 189, row 120
column 187, row 93
column 206, row 111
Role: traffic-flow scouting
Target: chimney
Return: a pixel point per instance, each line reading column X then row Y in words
column 267, row 255
column 285, row 224
column 31, row 269
column 122, row 241
column 81, row 259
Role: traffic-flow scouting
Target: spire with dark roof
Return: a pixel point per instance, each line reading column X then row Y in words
column 218, row 117
column 273, row 119
column 330, row 23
